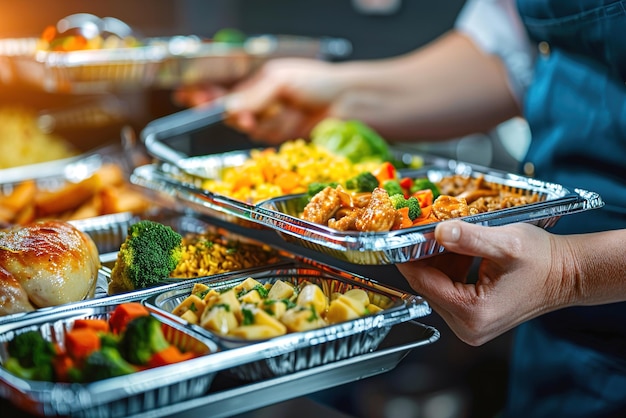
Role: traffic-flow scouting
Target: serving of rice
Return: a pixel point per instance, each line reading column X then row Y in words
column 287, row 169
column 208, row 254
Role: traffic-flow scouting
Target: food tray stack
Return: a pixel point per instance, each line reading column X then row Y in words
column 304, row 361
column 115, row 397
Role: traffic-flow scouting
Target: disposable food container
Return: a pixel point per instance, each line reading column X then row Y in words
column 114, row 397
column 157, row 62
column 370, row 248
column 297, row 351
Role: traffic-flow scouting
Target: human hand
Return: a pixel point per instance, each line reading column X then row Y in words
column 284, row 100
column 521, row 276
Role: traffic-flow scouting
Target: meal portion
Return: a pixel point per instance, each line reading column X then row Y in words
column 45, row 264
column 104, row 192
column 252, row 310
column 381, row 201
column 153, row 252
column 337, row 150
column 129, row 340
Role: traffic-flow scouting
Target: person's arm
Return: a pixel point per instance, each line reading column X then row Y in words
column 443, row 90
column 525, row 272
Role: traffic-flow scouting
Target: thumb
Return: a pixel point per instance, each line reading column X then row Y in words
column 474, row 240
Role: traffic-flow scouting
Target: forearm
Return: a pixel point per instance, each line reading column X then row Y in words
column 596, row 267
column 446, row 89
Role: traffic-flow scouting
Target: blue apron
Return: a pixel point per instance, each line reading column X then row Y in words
column 572, row 363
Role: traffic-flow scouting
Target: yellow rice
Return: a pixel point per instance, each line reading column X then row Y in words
column 256, row 179
column 207, row 254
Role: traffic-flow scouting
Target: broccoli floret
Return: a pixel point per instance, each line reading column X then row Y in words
column 398, row 201
column 393, row 187
column 142, row 339
column 103, row 364
column 316, row 187
column 351, row 139
column 149, row 254
column 31, row 356
column 362, row 182
column 423, row 184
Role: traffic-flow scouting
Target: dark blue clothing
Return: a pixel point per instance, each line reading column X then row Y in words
column 572, row 363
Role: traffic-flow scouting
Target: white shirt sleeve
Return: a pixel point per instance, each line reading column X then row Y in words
column 496, row 28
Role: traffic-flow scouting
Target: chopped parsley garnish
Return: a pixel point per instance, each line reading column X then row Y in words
column 248, row 316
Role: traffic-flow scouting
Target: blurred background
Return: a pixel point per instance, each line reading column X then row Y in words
column 447, row 379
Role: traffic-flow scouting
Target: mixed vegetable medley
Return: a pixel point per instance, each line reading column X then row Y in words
column 93, row 349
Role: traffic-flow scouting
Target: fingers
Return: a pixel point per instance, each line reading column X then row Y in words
column 495, row 243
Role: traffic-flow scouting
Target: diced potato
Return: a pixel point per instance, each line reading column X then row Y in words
column 190, row 317
column 312, row 295
column 263, row 318
column 358, row 294
column 211, row 298
column 229, row 298
column 339, row 311
column 252, row 296
column 199, row 288
column 373, row 309
column 280, row 290
column 356, row 305
column 219, row 319
column 255, row 332
column 190, row 303
column 275, row 307
column 302, row 319
column 249, row 283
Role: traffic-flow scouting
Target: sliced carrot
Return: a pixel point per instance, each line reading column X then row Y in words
column 99, row 325
column 424, row 217
column 405, row 221
column 62, row 363
column 80, row 343
column 169, row 355
column 124, row 313
column 425, row 197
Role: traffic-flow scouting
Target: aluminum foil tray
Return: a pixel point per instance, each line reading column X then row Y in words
column 179, row 181
column 399, row 246
column 299, row 351
column 223, row 398
column 192, row 61
column 115, row 397
column 282, row 213
column 89, row 71
column 159, row 62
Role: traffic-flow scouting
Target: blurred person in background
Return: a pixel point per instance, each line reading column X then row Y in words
column 561, row 64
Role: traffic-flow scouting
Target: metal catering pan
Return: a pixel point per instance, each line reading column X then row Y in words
column 296, row 351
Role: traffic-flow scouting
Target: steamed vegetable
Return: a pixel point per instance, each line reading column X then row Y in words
column 351, row 139
column 149, row 254
column 30, row 356
column 142, row 339
column 414, row 210
column 362, row 182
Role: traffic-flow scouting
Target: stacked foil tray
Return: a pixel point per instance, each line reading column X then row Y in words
column 301, row 362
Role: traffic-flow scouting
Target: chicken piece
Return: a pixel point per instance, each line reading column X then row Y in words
column 13, row 297
column 322, row 206
column 448, row 207
column 347, row 222
column 53, row 262
column 379, row 214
